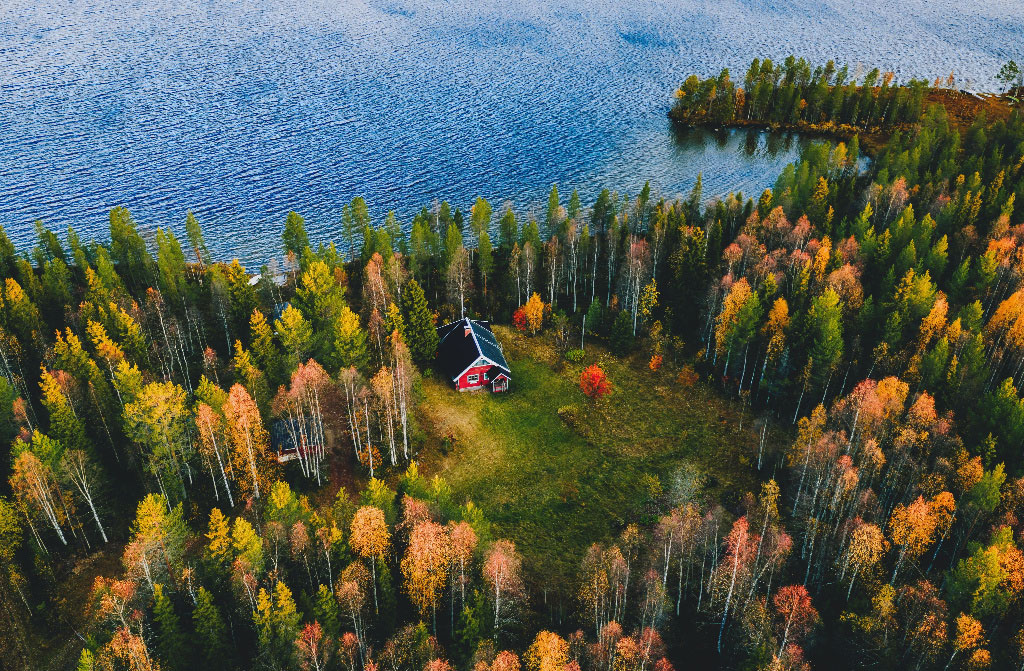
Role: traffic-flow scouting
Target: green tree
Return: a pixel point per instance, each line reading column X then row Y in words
column 1010, row 75
column 621, row 336
column 211, row 633
column 480, row 216
column 170, row 640
column 988, row 581
column 128, row 250
column 485, row 258
column 277, row 625
column 553, row 219
column 264, row 349
column 826, row 331
column 196, row 240
column 171, row 263
column 157, row 543
column 160, row 422
column 421, row 335
column 86, row 661
column 294, row 237
column 56, row 281
column 508, row 230
column 325, row 611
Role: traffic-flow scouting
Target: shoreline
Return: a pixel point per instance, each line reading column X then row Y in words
column 962, row 109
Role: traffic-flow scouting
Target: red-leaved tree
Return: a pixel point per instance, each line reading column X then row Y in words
column 594, row 383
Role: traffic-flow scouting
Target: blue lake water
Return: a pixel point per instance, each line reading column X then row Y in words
column 244, row 109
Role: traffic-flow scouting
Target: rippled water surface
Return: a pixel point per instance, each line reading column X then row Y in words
column 242, row 110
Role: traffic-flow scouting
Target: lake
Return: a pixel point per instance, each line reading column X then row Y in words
column 243, row 110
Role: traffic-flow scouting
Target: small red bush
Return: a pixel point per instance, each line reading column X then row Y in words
column 594, row 383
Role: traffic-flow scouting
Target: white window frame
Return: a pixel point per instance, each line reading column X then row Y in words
column 473, row 379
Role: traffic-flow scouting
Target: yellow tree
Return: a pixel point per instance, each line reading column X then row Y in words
column 157, row 542
column 911, row 528
column 548, row 652
column 34, row 485
column 464, row 542
column 534, row 312
column 867, row 545
column 969, row 635
column 425, row 566
column 158, row 421
column 383, row 386
column 371, row 540
column 249, row 442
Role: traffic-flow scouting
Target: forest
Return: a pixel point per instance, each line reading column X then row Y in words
column 859, row 328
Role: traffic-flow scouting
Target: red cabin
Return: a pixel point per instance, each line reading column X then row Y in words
column 469, row 355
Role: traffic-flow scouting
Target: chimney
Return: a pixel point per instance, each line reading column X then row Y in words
column 466, row 327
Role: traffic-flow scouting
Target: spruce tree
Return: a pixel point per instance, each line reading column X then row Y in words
column 294, row 236
column 170, row 641
column 196, row 240
column 211, row 634
column 421, row 335
column 621, row 337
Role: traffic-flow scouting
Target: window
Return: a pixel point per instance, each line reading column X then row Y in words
column 485, row 376
column 472, row 379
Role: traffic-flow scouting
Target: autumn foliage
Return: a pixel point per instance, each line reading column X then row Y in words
column 594, row 383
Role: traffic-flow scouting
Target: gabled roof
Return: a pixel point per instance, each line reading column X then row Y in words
column 463, row 342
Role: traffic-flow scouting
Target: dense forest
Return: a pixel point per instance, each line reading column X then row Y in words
column 873, row 312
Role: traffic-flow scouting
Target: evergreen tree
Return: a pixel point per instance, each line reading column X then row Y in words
column 295, row 239
column 554, row 213
column 421, row 334
column 128, row 249
column 211, row 633
column 621, row 336
column 170, row 641
column 196, row 240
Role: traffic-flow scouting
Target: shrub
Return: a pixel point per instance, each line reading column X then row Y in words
column 519, row 319
column 594, row 382
column 687, row 376
column 656, row 362
column 574, row 355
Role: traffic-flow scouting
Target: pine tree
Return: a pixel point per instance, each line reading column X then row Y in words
column 196, row 240
column 421, row 334
column 621, row 336
column 294, row 237
column 170, row 641
column 554, row 213
column 210, row 632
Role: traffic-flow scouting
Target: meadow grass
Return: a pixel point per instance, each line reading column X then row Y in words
column 555, row 484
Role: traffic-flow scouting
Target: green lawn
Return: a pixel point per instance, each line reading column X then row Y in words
column 554, row 488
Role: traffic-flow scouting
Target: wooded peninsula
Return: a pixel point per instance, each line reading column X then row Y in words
column 780, row 431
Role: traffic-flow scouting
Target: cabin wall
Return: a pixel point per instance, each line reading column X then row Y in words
column 463, row 382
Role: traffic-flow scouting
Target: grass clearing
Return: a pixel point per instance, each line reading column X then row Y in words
column 554, row 487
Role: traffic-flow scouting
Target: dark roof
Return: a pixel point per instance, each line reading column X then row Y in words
column 457, row 351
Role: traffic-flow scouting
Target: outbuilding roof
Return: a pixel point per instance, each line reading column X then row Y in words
column 465, row 341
